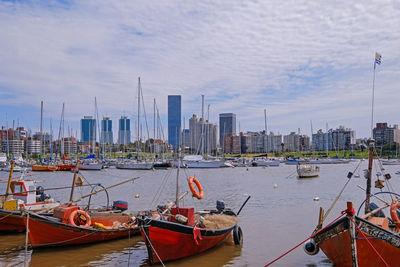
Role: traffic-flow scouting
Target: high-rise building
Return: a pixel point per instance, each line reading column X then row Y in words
column 88, row 129
column 333, row 140
column 203, row 135
column 384, row 134
column 106, row 136
column 124, row 131
column 174, row 120
column 227, row 125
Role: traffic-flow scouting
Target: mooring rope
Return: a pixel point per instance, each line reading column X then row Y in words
column 2, row 218
column 148, row 240
column 379, row 255
column 314, row 234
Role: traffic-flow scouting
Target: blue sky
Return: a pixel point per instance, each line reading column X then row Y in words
column 301, row 60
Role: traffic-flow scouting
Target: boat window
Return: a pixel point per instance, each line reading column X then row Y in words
column 18, row 189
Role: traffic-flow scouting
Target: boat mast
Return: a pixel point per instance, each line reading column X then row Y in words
column 41, row 128
column 371, row 141
column 138, row 117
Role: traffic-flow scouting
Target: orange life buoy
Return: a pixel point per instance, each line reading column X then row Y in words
column 393, row 214
column 193, row 181
column 84, row 222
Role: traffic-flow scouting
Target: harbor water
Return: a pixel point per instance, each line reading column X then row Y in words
column 281, row 213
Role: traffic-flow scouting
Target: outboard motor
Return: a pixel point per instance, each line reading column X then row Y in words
column 41, row 195
column 120, row 205
column 311, row 248
column 220, row 205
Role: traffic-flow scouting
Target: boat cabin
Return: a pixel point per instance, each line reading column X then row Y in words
column 24, row 190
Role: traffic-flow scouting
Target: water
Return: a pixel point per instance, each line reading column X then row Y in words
column 273, row 221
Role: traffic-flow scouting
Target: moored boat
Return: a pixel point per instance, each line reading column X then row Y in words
column 43, row 168
column 168, row 239
column 307, row 171
column 65, row 228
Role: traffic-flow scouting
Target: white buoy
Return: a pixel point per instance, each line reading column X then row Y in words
column 137, row 196
column 275, row 186
column 316, row 198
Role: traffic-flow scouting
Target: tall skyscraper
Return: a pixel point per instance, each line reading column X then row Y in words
column 88, row 129
column 227, row 125
column 124, row 131
column 106, row 131
column 174, row 120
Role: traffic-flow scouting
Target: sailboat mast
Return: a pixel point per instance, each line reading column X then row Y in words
column 138, row 116
column 41, row 127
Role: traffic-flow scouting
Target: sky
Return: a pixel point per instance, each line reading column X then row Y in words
column 305, row 62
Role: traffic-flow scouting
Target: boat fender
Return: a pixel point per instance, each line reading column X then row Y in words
column 181, row 219
column 193, row 181
column 311, row 248
column 82, row 219
column 237, row 235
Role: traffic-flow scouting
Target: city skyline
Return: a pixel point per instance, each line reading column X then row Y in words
column 302, row 62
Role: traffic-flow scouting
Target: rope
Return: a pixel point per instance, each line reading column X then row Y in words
column 148, row 240
column 314, row 234
column 380, row 256
column 340, row 194
column 2, row 218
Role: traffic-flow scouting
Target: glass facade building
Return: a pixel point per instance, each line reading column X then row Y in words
column 124, row 131
column 174, row 120
column 88, row 129
column 227, row 125
column 106, row 131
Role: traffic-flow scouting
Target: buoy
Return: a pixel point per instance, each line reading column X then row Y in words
column 275, row 186
column 137, row 196
column 316, row 198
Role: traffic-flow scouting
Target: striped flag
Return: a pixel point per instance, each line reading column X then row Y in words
column 378, row 58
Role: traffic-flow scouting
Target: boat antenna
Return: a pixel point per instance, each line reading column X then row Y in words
column 371, row 141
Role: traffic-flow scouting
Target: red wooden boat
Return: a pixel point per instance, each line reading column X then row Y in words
column 372, row 245
column 167, row 239
column 22, row 197
column 11, row 221
column 368, row 240
column 99, row 227
column 65, row 167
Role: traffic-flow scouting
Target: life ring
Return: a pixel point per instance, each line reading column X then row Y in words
column 198, row 195
column 80, row 218
column 393, row 214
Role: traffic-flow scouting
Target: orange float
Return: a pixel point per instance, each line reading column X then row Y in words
column 192, row 182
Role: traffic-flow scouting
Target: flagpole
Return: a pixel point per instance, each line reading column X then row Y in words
column 373, row 96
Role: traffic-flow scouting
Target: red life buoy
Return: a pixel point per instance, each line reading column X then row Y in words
column 80, row 218
column 193, row 181
column 393, row 214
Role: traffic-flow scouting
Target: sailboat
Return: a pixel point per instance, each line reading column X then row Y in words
column 368, row 240
column 178, row 232
column 41, row 166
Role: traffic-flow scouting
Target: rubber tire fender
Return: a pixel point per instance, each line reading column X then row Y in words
column 237, row 235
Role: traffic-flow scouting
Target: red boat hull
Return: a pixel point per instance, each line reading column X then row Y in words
column 335, row 243
column 174, row 241
column 11, row 221
column 65, row 167
column 62, row 234
column 44, row 168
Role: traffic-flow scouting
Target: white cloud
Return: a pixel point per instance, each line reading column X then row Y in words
column 304, row 61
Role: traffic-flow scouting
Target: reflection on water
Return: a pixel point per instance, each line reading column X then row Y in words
column 274, row 220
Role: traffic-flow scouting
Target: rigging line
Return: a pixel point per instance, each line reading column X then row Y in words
column 379, row 255
column 148, row 240
column 337, row 198
column 159, row 190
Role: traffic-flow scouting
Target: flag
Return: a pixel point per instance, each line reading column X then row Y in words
column 378, row 58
